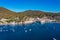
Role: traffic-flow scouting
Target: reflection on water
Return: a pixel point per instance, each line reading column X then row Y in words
column 34, row 31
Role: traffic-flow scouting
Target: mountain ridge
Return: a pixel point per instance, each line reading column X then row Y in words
column 3, row 8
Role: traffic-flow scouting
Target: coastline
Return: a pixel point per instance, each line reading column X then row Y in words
column 26, row 22
column 13, row 23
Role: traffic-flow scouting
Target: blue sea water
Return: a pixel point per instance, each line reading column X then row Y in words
column 33, row 31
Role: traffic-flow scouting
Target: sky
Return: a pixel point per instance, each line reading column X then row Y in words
column 22, row 5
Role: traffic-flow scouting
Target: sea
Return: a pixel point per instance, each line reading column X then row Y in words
column 32, row 31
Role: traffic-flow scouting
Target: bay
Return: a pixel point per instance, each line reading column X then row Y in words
column 33, row 31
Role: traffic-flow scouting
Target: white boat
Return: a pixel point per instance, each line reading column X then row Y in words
column 54, row 38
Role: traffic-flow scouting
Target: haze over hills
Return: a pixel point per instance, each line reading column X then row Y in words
column 6, row 13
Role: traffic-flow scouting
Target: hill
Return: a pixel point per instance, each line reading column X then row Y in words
column 5, row 13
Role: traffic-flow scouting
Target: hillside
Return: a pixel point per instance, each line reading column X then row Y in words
column 5, row 13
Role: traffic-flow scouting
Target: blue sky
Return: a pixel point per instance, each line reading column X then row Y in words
column 22, row 5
